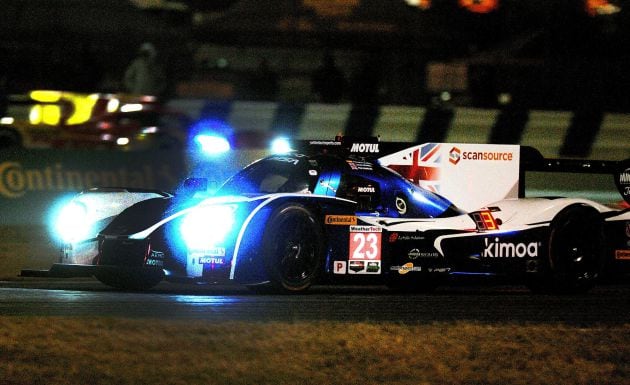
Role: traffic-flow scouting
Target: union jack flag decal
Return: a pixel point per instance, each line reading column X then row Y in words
column 421, row 165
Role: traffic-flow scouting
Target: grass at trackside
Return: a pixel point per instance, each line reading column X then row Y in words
column 50, row 350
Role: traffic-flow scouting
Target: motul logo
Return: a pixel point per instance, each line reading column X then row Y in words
column 498, row 249
column 364, row 147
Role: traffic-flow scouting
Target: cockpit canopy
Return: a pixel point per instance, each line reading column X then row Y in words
column 376, row 189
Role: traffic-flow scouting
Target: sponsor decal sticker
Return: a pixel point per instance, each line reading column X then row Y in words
column 365, row 249
column 415, row 254
column 406, row 268
column 623, row 183
column 356, row 267
column 211, row 260
column 623, row 255
column 340, row 267
column 455, row 155
column 366, row 189
column 155, row 258
column 364, row 147
column 211, row 252
column 497, row 249
column 340, row 220
column 357, row 165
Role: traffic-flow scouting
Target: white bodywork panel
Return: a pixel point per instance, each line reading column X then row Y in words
column 469, row 175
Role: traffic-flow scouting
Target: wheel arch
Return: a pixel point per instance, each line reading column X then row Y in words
column 247, row 264
column 575, row 251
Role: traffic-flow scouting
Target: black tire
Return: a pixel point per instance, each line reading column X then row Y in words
column 576, row 252
column 131, row 280
column 292, row 249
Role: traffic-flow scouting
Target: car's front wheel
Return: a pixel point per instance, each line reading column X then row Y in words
column 292, row 248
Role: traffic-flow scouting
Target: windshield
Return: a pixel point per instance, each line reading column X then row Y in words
column 277, row 174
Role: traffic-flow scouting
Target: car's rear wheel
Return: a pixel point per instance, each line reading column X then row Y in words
column 292, row 248
column 576, row 252
column 129, row 279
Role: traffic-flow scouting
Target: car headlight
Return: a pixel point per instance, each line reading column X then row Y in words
column 213, row 144
column 206, row 227
column 72, row 223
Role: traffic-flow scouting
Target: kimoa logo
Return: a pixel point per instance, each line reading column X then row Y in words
column 498, row 249
column 364, row 147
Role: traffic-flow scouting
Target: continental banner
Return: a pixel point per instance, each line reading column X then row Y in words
column 31, row 181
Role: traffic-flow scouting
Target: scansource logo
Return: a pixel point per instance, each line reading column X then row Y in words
column 456, row 155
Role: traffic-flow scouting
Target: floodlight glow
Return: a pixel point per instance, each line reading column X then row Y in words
column 206, row 227
column 212, row 144
column 131, row 107
column 72, row 223
column 280, row 146
column 112, row 105
column 122, row 141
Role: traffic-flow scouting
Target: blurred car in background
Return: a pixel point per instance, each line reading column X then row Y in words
column 41, row 118
column 136, row 129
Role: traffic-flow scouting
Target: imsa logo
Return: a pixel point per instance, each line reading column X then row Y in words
column 497, row 249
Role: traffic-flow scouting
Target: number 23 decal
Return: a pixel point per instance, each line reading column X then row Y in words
column 365, row 246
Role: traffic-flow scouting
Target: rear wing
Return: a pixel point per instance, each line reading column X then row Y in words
column 619, row 170
column 470, row 175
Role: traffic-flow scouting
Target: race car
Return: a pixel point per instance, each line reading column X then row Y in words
column 355, row 211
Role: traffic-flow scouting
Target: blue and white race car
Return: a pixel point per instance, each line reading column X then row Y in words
column 347, row 211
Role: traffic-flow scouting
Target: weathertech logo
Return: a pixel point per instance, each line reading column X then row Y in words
column 498, row 249
column 364, row 147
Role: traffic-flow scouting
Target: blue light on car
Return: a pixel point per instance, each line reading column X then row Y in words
column 213, row 144
column 205, row 227
column 280, row 146
column 72, row 223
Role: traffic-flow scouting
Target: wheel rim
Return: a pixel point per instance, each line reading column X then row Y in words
column 576, row 250
column 297, row 251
